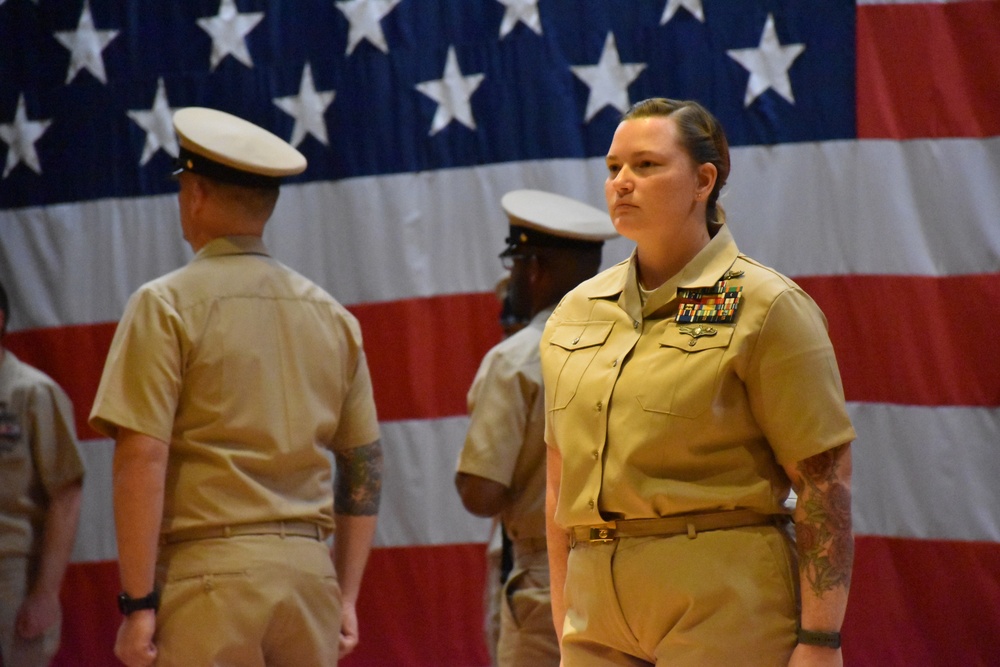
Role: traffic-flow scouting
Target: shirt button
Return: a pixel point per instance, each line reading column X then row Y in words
column 575, row 341
column 599, row 406
column 635, row 325
column 614, row 363
column 595, row 454
column 590, row 504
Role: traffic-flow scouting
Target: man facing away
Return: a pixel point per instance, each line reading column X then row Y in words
column 41, row 482
column 554, row 244
column 227, row 382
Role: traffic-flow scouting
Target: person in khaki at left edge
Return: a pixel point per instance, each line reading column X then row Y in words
column 554, row 244
column 227, row 381
column 41, row 484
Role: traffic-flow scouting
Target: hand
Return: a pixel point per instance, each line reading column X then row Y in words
column 38, row 613
column 134, row 645
column 348, row 628
column 806, row 655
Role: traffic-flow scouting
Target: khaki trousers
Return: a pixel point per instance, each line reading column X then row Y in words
column 725, row 597
column 527, row 636
column 248, row 601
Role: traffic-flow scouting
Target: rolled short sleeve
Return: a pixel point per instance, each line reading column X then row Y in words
column 498, row 414
column 794, row 383
column 141, row 381
column 358, row 424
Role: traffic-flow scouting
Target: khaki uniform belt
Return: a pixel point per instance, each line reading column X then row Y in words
column 689, row 524
column 528, row 546
column 282, row 528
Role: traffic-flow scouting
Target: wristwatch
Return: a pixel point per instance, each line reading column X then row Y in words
column 127, row 605
column 814, row 638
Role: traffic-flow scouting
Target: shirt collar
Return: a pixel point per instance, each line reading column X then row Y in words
column 704, row 270
column 233, row 245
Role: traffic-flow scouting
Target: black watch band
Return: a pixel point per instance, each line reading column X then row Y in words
column 127, row 605
column 814, row 638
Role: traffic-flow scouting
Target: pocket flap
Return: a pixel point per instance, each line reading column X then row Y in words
column 579, row 335
column 695, row 337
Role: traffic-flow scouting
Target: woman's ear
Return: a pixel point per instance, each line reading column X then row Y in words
column 707, row 175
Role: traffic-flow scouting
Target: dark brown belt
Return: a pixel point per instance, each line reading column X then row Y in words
column 282, row 528
column 689, row 524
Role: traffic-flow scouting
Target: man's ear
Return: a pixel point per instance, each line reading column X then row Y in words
column 535, row 270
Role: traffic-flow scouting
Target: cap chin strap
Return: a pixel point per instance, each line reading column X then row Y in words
column 527, row 236
column 199, row 164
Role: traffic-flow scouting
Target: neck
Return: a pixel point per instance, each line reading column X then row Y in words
column 660, row 261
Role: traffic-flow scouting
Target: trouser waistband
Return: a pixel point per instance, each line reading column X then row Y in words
column 282, row 528
column 690, row 524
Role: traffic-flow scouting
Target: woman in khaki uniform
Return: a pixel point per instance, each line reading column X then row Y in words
column 688, row 389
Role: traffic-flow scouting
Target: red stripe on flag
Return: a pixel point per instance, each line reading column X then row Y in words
column 90, row 615
column 923, row 602
column 928, row 70
column 914, row 340
column 73, row 357
column 423, row 353
column 422, row 606
column 908, row 340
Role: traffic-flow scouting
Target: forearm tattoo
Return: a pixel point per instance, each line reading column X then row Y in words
column 823, row 527
column 357, row 488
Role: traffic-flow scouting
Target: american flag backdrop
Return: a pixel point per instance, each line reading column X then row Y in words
column 866, row 165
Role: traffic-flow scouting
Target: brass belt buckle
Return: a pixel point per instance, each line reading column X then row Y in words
column 602, row 535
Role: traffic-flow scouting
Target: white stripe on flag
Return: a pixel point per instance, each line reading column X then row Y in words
column 870, row 207
column 926, row 472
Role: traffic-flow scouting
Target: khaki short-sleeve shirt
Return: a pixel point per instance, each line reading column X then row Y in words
column 249, row 371
column 505, row 441
column 655, row 417
column 39, row 453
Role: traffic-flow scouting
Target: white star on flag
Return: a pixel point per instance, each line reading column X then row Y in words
column 452, row 92
column 608, row 80
column 228, row 30
column 768, row 64
column 693, row 6
column 85, row 45
column 525, row 11
column 158, row 124
column 20, row 137
column 307, row 108
column 365, row 17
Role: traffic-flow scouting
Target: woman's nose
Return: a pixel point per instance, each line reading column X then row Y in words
column 622, row 182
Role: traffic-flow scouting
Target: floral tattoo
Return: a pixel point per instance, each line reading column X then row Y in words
column 823, row 530
column 358, row 485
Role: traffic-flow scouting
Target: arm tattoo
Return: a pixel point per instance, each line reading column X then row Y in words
column 358, row 485
column 823, row 530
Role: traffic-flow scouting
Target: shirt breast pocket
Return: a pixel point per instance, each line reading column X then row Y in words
column 685, row 370
column 572, row 348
